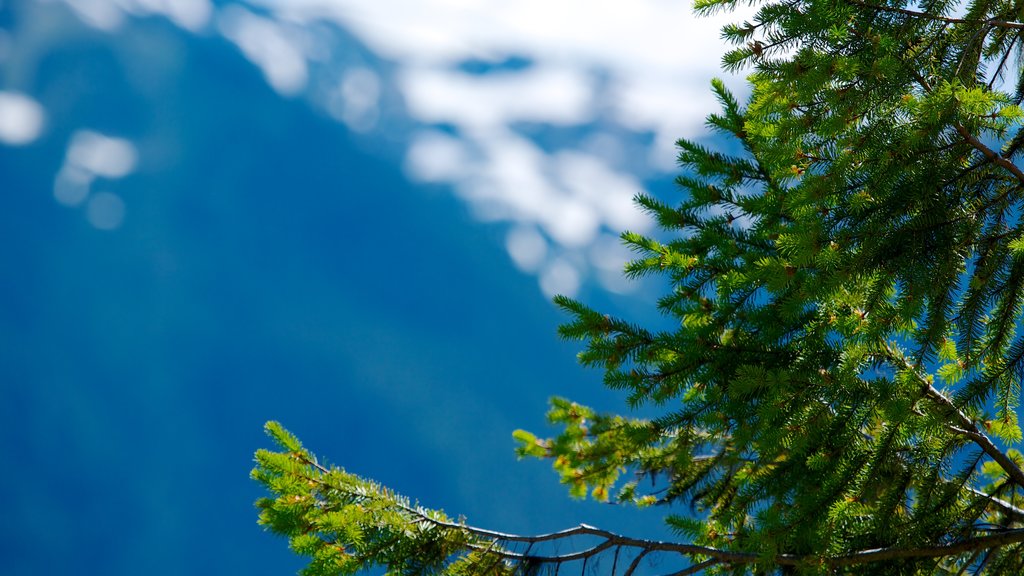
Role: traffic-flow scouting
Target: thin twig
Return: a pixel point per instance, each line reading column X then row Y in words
column 635, row 563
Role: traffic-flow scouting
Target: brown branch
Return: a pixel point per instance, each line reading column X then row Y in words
column 969, row 545
column 561, row 558
column 963, row 425
column 724, row 556
column 1015, row 514
column 645, row 546
column 968, row 428
column 946, row 19
column 989, row 153
column 635, row 563
column 610, row 539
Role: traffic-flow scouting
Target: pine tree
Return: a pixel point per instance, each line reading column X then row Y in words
column 841, row 393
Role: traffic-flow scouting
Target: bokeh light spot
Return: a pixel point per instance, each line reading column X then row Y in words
column 102, row 155
column 105, row 211
column 21, row 119
column 560, row 277
column 72, row 185
column 527, row 248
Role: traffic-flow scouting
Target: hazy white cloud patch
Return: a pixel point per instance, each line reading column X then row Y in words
column 21, row 119
column 550, row 95
column 92, row 156
column 435, row 156
column 272, row 46
column 560, row 201
column 527, row 247
column 101, row 14
column 571, row 222
column 356, row 99
column 609, row 192
column 671, row 107
column 639, row 68
column 109, row 15
column 559, row 277
column 554, row 145
column 189, row 14
column 101, row 155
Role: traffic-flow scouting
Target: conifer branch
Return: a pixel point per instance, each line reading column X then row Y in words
column 937, row 18
column 963, row 425
column 973, row 140
column 1015, row 513
column 971, row 430
column 989, row 153
column 492, row 543
column 724, row 556
column 986, row 542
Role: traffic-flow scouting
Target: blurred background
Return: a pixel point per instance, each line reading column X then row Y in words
column 347, row 216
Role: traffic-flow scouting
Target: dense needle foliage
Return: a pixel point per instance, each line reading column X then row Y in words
column 841, row 393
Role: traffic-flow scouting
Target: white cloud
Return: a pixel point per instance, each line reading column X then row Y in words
column 434, row 156
column 609, row 256
column 610, row 192
column 356, row 99
column 552, row 95
column 671, row 107
column 559, row 277
column 101, row 155
column 189, row 14
column 621, row 81
column 572, row 222
column 108, row 15
column 642, row 67
column 269, row 45
column 91, row 156
column 21, row 119
column 101, row 14
column 657, row 35
column 527, row 247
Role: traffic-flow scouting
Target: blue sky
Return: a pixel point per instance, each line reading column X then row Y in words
column 348, row 217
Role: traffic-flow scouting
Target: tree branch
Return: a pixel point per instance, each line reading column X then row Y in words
column 714, row 555
column 1016, row 514
column 635, row 563
column 969, row 545
column 946, row 19
column 963, row 424
column 989, row 153
column 970, row 429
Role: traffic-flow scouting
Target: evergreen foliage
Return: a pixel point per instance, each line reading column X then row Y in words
column 841, row 393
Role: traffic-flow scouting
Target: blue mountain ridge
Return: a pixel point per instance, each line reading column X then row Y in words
column 269, row 266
